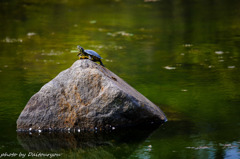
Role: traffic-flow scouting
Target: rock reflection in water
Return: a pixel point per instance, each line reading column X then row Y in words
column 59, row 141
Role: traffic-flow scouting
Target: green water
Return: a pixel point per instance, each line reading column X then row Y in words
column 183, row 55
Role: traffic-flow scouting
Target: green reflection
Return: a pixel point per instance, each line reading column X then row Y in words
column 183, row 55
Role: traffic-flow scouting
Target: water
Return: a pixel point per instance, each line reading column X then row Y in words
column 182, row 55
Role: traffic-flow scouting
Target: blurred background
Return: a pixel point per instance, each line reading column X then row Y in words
column 183, row 55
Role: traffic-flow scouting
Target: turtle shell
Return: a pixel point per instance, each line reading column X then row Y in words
column 93, row 53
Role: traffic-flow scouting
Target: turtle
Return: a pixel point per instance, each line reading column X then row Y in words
column 89, row 54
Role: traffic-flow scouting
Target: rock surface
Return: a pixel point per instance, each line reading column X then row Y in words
column 87, row 96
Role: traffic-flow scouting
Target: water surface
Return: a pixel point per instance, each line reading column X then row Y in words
column 182, row 55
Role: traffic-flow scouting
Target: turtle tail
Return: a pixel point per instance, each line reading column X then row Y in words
column 101, row 63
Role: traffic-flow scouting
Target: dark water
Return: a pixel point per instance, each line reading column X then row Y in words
column 184, row 55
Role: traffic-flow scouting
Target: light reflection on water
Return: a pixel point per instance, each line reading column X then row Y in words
column 182, row 55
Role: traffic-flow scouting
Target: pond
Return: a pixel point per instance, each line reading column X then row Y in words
column 182, row 55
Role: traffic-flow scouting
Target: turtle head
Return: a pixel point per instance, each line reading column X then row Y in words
column 81, row 50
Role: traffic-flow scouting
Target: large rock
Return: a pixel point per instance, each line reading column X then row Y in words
column 88, row 96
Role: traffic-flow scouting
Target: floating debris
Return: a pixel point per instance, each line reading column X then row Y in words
column 219, row 52
column 151, row 0
column 31, row 34
column 109, row 60
column 97, row 46
column 149, row 148
column 73, row 51
column 102, row 46
column 118, row 47
column 198, row 148
column 179, row 64
column 231, row 67
column 227, row 145
column 9, row 40
column 92, row 21
column 210, row 66
column 184, row 90
column 187, row 45
column 52, row 53
column 100, row 29
column 170, row 68
column 122, row 33
column 113, row 128
column 110, row 34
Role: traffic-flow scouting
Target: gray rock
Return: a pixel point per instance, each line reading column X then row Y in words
column 87, row 96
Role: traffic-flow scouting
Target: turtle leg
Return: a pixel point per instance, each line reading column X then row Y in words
column 101, row 63
column 83, row 57
column 89, row 57
column 79, row 55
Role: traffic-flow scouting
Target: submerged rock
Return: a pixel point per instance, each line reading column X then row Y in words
column 87, row 96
